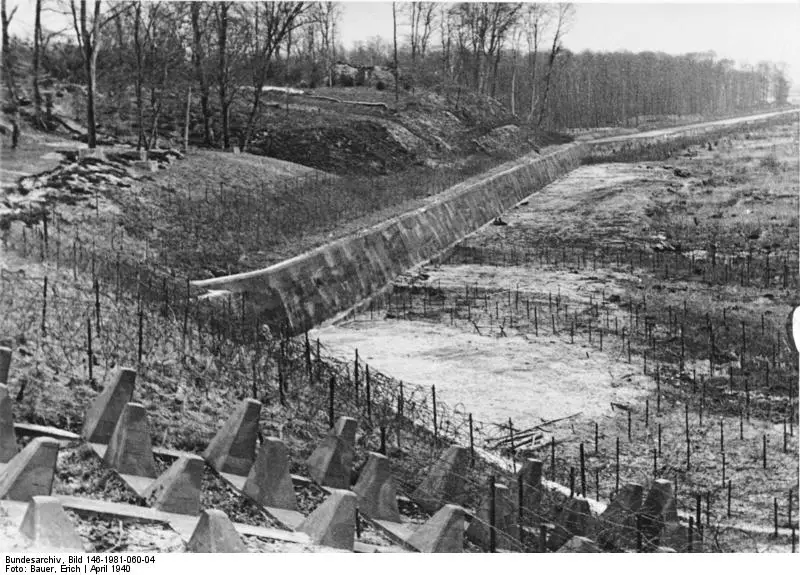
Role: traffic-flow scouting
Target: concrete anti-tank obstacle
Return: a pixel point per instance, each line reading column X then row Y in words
column 269, row 482
column 102, row 416
column 674, row 535
column 8, row 438
column 579, row 544
column 130, row 450
column 333, row 523
column 5, row 363
column 31, row 471
column 442, row 533
column 48, row 526
column 445, row 481
column 505, row 521
column 233, row 448
column 215, row 533
column 573, row 520
column 657, row 509
column 331, row 463
column 377, row 495
column 531, row 476
column 346, row 428
column 617, row 524
column 178, row 489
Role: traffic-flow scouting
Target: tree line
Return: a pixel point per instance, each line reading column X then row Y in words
column 158, row 63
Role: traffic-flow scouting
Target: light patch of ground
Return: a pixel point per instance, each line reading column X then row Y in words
column 574, row 284
column 528, row 380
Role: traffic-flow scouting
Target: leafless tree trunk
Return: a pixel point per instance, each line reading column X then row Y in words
column 222, row 72
column 8, row 73
column 278, row 19
column 37, row 50
column 563, row 20
column 396, row 68
column 88, row 37
column 137, row 44
column 535, row 21
column 200, row 72
column 186, row 122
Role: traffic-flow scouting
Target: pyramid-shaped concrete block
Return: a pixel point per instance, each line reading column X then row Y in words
column 573, row 520
column 375, row 489
column 178, row 489
column 617, row 524
column 676, row 536
column 346, row 428
column 331, row 463
column 233, row 448
column 657, row 509
column 531, row 477
column 5, row 363
column 215, row 533
column 445, row 482
column 48, row 526
column 102, row 416
column 130, row 450
column 8, row 438
column 333, row 523
column 31, row 471
column 442, row 533
column 269, row 482
column 579, row 545
column 505, row 521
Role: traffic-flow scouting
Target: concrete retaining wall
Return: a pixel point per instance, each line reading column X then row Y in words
column 306, row 290
column 311, row 288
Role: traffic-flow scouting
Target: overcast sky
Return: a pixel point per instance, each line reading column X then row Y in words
column 746, row 32
column 741, row 32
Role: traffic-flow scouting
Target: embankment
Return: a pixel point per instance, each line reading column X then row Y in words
column 306, row 290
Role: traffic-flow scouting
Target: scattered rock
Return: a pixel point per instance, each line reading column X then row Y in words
column 681, row 173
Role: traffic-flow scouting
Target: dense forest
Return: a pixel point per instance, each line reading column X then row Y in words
column 140, row 62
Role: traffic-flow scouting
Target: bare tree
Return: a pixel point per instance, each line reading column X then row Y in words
column 563, row 18
column 485, row 25
column 396, row 68
column 87, row 25
column 221, row 11
column 422, row 16
column 446, row 37
column 87, row 29
column 199, row 20
column 8, row 72
column 535, row 19
column 273, row 21
column 324, row 18
column 37, row 39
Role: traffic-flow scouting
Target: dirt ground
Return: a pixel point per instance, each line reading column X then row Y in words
column 493, row 376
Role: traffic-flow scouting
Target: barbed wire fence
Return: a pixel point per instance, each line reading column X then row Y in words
column 134, row 313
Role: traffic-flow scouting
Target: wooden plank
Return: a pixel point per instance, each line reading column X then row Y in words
column 28, row 429
column 82, row 505
column 288, row 517
column 401, row 531
column 236, row 481
column 272, row 533
column 172, row 453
